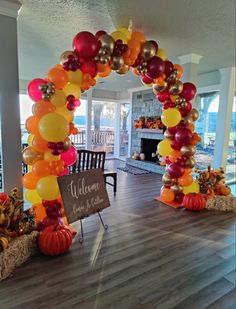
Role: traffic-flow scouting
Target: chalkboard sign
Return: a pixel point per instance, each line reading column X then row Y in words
column 83, row 194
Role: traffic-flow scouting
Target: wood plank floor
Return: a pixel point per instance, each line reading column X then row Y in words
column 152, row 256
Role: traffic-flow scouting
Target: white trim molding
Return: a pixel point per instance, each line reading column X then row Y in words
column 10, row 8
column 190, row 58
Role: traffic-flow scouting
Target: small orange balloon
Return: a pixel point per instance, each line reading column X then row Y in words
column 39, row 144
column 191, row 127
column 174, row 155
column 42, row 107
column 179, row 70
column 167, row 195
column 139, row 36
column 101, row 67
column 106, row 73
column 41, row 168
column 185, row 180
column 39, row 212
column 31, row 124
column 135, row 71
column 187, row 171
column 58, row 77
column 30, row 180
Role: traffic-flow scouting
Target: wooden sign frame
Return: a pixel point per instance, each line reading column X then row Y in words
column 83, row 194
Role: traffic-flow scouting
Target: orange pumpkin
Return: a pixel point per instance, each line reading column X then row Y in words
column 55, row 240
column 194, row 201
column 225, row 190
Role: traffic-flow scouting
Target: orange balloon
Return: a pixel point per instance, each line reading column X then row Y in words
column 43, row 107
column 41, row 168
column 174, row 155
column 167, row 195
column 101, row 67
column 30, row 180
column 106, row 73
column 39, row 144
column 191, row 127
column 58, row 77
column 135, row 71
column 185, row 180
column 139, row 36
column 179, row 69
column 31, row 124
column 39, row 212
column 187, row 171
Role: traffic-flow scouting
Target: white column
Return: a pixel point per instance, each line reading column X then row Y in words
column 117, row 131
column 10, row 134
column 190, row 63
column 89, row 120
column 227, row 91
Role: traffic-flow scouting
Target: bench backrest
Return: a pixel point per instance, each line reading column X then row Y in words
column 87, row 160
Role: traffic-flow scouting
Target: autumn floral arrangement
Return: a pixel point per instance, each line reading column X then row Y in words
column 14, row 221
column 212, row 182
column 149, row 123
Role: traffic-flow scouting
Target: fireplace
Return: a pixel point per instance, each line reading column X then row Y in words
column 149, row 148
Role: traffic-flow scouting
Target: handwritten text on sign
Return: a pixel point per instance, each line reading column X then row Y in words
column 83, row 194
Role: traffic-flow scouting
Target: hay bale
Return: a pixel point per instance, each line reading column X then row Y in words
column 222, row 203
column 20, row 249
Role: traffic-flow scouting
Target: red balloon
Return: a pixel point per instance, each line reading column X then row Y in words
column 184, row 111
column 167, row 160
column 163, row 96
column 89, row 67
column 100, row 33
column 155, row 67
column 183, row 136
column 175, row 170
column 175, row 145
column 179, row 197
column 70, row 156
column 189, row 91
column 169, row 67
column 85, row 45
column 146, row 79
column 172, row 130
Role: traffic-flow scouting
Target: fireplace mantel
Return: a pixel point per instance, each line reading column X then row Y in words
column 152, row 131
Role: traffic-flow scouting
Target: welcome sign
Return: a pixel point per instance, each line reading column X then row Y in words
column 83, row 194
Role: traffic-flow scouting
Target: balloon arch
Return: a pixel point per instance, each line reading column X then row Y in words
column 56, row 97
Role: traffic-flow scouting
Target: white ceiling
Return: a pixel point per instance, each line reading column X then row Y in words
column 206, row 27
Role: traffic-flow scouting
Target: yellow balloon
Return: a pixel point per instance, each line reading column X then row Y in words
column 48, row 156
column 29, row 140
column 72, row 89
column 53, row 127
column 75, row 77
column 47, row 188
column 164, row 148
column 126, row 32
column 193, row 188
column 171, row 117
column 32, row 196
column 58, row 98
column 30, row 168
column 161, row 53
column 117, row 35
column 68, row 115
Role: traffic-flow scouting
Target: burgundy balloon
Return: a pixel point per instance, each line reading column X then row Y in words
column 155, row 67
column 167, row 161
column 89, row 67
column 175, row 145
column 184, row 111
column 163, row 96
column 49, row 221
column 189, row 91
column 172, row 130
column 169, row 67
column 179, row 197
column 85, row 45
column 175, row 170
column 100, row 33
column 183, row 136
column 146, row 79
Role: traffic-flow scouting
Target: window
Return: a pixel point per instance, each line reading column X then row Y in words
column 231, row 155
column 124, row 128
column 208, row 105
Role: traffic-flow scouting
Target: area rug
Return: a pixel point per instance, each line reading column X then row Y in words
column 133, row 170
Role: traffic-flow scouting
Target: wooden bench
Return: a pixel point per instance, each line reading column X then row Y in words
column 88, row 159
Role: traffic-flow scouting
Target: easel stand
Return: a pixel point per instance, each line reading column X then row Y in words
column 105, row 226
